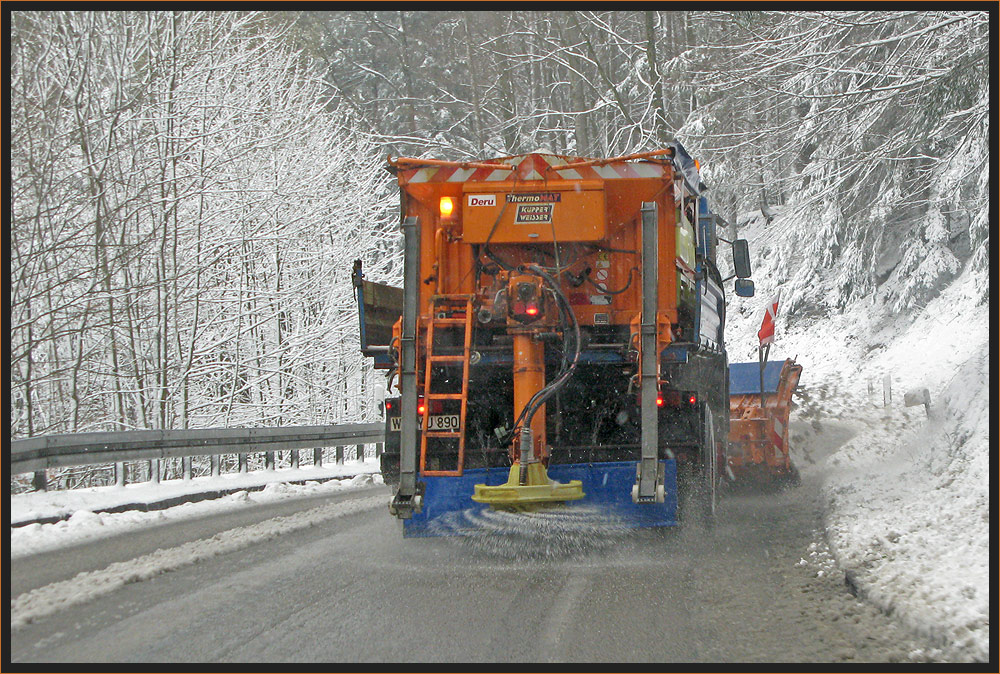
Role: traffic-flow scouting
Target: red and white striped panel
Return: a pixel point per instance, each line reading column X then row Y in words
column 778, row 434
column 534, row 167
column 453, row 174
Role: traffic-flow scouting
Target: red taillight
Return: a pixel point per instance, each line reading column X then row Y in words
column 526, row 302
column 526, row 312
column 659, row 400
column 421, row 407
column 388, row 405
column 693, row 400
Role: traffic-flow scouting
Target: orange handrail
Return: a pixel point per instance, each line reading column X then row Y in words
column 601, row 162
column 441, row 162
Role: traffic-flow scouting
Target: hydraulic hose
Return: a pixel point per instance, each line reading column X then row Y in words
column 564, row 376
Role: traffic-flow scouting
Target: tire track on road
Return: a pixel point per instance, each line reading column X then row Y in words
column 562, row 617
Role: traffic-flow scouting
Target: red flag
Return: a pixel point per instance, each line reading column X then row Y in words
column 766, row 332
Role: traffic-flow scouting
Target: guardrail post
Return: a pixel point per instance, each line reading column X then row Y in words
column 154, row 471
column 295, row 459
column 120, row 474
column 214, row 461
column 242, row 462
column 340, row 455
column 40, row 481
column 379, row 448
column 186, row 467
column 361, row 453
column 317, row 456
column 268, row 460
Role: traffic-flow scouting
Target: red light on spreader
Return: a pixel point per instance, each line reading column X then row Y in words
column 531, row 310
column 693, row 400
column 659, row 400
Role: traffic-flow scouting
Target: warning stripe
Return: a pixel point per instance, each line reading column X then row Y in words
column 778, row 434
column 533, row 167
column 425, row 175
column 460, row 175
column 607, row 172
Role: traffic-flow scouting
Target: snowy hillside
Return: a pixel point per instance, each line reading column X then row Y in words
column 907, row 493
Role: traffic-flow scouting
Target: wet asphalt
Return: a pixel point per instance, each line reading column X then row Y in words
column 352, row 589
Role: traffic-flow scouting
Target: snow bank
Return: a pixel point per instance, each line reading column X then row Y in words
column 909, row 514
column 90, row 585
column 908, row 496
column 43, row 504
column 84, row 524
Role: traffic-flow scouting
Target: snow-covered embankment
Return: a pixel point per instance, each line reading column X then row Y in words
column 908, row 495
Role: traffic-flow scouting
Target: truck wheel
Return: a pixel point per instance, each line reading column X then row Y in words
column 789, row 479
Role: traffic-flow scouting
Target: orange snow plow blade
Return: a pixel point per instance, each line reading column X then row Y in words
column 758, row 433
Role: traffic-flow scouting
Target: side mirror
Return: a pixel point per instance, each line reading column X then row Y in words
column 741, row 260
column 744, row 287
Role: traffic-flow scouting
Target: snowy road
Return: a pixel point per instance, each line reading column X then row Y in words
column 334, row 581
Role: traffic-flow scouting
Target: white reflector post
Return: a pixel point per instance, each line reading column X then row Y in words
column 918, row 396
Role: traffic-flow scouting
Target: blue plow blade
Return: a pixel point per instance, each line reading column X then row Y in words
column 744, row 378
column 449, row 510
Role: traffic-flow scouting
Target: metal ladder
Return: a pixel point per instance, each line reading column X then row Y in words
column 443, row 307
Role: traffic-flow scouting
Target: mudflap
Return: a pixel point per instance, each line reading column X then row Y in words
column 448, row 508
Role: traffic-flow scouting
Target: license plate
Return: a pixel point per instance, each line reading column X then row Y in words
column 436, row 422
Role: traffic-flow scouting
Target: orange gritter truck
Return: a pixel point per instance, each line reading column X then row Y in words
column 558, row 341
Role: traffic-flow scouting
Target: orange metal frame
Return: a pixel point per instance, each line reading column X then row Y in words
column 429, row 395
column 447, row 259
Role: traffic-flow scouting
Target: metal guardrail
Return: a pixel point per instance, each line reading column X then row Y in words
column 82, row 449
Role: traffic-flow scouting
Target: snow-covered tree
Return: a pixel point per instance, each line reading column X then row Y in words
column 187, row 199
column 871, row 128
